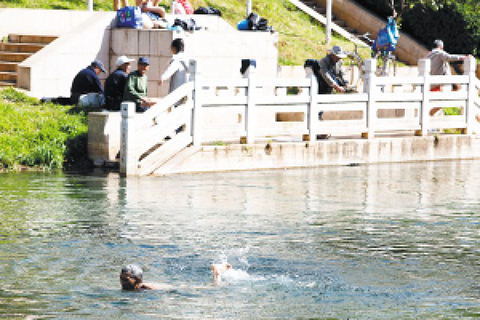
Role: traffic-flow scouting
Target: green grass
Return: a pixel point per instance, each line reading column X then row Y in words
column 300, row 37
column 46, row 136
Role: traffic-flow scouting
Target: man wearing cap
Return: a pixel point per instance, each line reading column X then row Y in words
column 331, row 74
column 136, row 88
column 115, row 83
column 86, row 88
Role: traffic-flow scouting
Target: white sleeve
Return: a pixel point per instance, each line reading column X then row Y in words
column 172, row 68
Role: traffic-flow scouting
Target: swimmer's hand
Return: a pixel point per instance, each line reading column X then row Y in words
column 219, row 269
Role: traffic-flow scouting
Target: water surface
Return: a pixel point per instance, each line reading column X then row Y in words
column 371, row 242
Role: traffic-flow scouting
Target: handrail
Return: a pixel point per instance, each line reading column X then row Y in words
column 251, row 109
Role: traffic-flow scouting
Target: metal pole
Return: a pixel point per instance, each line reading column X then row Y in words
column 249, row 7
column 329, row 21
column 90, row 5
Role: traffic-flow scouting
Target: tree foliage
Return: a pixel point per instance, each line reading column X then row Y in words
column 456, row 22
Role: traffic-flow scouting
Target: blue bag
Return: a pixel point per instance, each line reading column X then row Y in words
column 243, row 25
column 387, row 37
column 130, row 17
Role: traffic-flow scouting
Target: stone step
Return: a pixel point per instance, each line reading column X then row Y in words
column 8, row 76
column 6, row 66
column 21, row 47
column 30, row 38
column 8, row 83
column 14, row 56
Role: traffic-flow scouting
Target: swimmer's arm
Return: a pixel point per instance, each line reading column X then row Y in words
column 157, row 286
column 219, row 269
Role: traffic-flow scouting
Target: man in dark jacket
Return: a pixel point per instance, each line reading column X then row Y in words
column 115, row 83
column 86, row 82
column 331, row 74
column 86, row 87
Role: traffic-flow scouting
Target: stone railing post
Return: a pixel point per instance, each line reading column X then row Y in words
column 371, row 89
column 470, row 69
column 250, row 108
column 128, row 157
column 197, row 104
column 424, row 71
column 312, row 116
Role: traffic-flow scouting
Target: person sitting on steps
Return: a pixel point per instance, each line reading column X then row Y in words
column 151, row 8
column 116, row 4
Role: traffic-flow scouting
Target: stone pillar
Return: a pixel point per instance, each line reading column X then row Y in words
column 250, row 107
column 312, row 108
column 197, row 104
column 470, row 66
column 371, row 89
column 424, row 71
column 128, row 156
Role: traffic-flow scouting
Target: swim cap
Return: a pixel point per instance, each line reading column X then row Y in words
column 134, row 270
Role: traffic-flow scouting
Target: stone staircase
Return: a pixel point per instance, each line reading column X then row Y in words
column 15, row 49
column 318, row 7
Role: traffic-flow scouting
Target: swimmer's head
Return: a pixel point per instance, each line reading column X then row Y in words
column 131, row 277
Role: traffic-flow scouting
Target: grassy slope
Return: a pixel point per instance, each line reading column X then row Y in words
column 44, row 135
column 300, row 38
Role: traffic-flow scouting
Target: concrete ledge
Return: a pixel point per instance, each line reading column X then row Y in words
column 329, row 153
column 103, row 136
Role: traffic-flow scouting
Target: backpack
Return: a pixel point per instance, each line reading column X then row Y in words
column 255, row 22
column 387, row 37
column 187, row 25
column 209, row 10
column 129, row 17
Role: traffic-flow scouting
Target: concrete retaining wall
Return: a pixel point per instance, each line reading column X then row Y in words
column 328, row 153
column 218, row 52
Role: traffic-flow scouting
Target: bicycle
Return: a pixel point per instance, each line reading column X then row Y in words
column 386, row 66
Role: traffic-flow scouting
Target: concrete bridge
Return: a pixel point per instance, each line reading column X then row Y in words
column 264, row 123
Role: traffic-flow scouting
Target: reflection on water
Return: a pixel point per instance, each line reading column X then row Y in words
column 369, row 242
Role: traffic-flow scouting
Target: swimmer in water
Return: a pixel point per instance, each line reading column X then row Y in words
column 131, row 277
column 218, row 270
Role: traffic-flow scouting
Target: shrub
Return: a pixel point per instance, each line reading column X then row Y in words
column 448, row 23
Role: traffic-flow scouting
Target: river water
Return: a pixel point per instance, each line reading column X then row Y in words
column 397, row 241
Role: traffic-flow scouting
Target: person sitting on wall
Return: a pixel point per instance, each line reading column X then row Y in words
column 116, row 4
column 331, row 74
column 115, row 83
column 131, row 278
column 151, row 8
column 87, row 90
column 136, row 87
